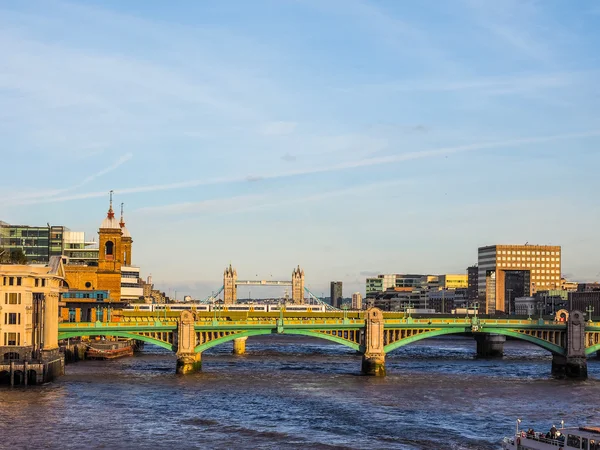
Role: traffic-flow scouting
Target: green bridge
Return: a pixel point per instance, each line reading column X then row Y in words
column 372, row 333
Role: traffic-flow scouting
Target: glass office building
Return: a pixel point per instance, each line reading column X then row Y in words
column 37, row 243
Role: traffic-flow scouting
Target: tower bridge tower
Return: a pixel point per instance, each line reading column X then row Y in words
column 298, row 285
column 229, row 285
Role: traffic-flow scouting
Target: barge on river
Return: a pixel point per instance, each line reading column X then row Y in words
column 109, row 349
column 582, row 438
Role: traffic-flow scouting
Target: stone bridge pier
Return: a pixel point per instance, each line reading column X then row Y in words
column 188, row 361
column 373, row 361
column 574, row 363
column 490, row 345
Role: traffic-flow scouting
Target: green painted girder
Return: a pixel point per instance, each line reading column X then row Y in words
column 265, row 331
column 482, row 330
column 592, row 349
column 123, row 334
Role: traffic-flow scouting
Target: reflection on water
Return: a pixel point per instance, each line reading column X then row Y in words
column 291, row 392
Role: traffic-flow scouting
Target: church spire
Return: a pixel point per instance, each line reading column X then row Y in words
column 122, row 222
column 111, row 213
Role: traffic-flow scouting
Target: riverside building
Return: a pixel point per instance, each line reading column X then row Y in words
column 510, row 271
column 29, row 297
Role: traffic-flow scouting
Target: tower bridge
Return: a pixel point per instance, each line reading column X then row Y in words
column 230, row 284
column 371, row 333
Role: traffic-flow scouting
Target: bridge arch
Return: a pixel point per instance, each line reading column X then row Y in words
column 124, row 334
column 247, row 333
column 592, row 349
column 552, row 348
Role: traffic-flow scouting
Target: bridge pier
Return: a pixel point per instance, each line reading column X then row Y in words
column 373, row 361
column 188, row 361
column 239, row 345
column 565, row 367
column 574, row 363
column 490, row 345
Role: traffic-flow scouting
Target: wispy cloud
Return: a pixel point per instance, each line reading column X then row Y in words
column 40, row 196
column 492, row 85
column 278, row 128
column 217, row 205
column 513, row 24
column 253, row 203
column 348, row 165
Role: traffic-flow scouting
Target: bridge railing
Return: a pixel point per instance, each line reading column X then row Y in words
column 76, row 325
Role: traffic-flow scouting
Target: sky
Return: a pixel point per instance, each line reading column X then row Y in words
column 350, row 137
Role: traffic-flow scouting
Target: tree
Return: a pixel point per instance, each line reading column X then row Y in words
column 4, row 256
column 18, row 257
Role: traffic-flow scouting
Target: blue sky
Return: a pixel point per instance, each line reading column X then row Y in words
column 350, row 137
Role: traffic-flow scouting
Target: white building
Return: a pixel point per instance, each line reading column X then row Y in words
column 132, row 289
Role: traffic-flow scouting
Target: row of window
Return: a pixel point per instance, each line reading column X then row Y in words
column 527, row 252
column 526, row 258
column 17, row 281
column 12, row 318
column 527, row 265
column 12, row 338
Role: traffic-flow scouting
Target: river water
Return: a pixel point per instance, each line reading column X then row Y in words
column 293, row 392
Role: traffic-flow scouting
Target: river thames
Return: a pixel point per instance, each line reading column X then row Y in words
column 295, row 392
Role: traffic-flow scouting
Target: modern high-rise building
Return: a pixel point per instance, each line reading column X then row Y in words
column 356, row 301
column 472, row 284
column 510, row 271
column 336, row 294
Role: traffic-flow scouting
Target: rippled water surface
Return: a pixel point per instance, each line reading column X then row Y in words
column 292, row 392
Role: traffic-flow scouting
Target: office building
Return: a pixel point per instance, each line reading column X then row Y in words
column 472, row 282
column 38, row 244
column 379, row 284
column 409, row 291
column 78, row 250
column 336, row 294
column 445, row 300
column 510, row 271
column 356, row 301
column 450, row 281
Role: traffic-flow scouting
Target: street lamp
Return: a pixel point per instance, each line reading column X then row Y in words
column 590, row 310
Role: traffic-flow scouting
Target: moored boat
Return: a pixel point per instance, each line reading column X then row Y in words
column 109, row 350
column 583, row 438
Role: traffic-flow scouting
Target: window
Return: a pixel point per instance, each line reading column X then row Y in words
column 5, row 279
column 12, row 338
column 12, row 298
column 108, row 248
column 43, row 282
column 11, row 281
column 18, row 281
column 573, row 441
column 11, row 319
column 37, row 282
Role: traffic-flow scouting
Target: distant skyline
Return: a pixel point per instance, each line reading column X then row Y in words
column 348, row 137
